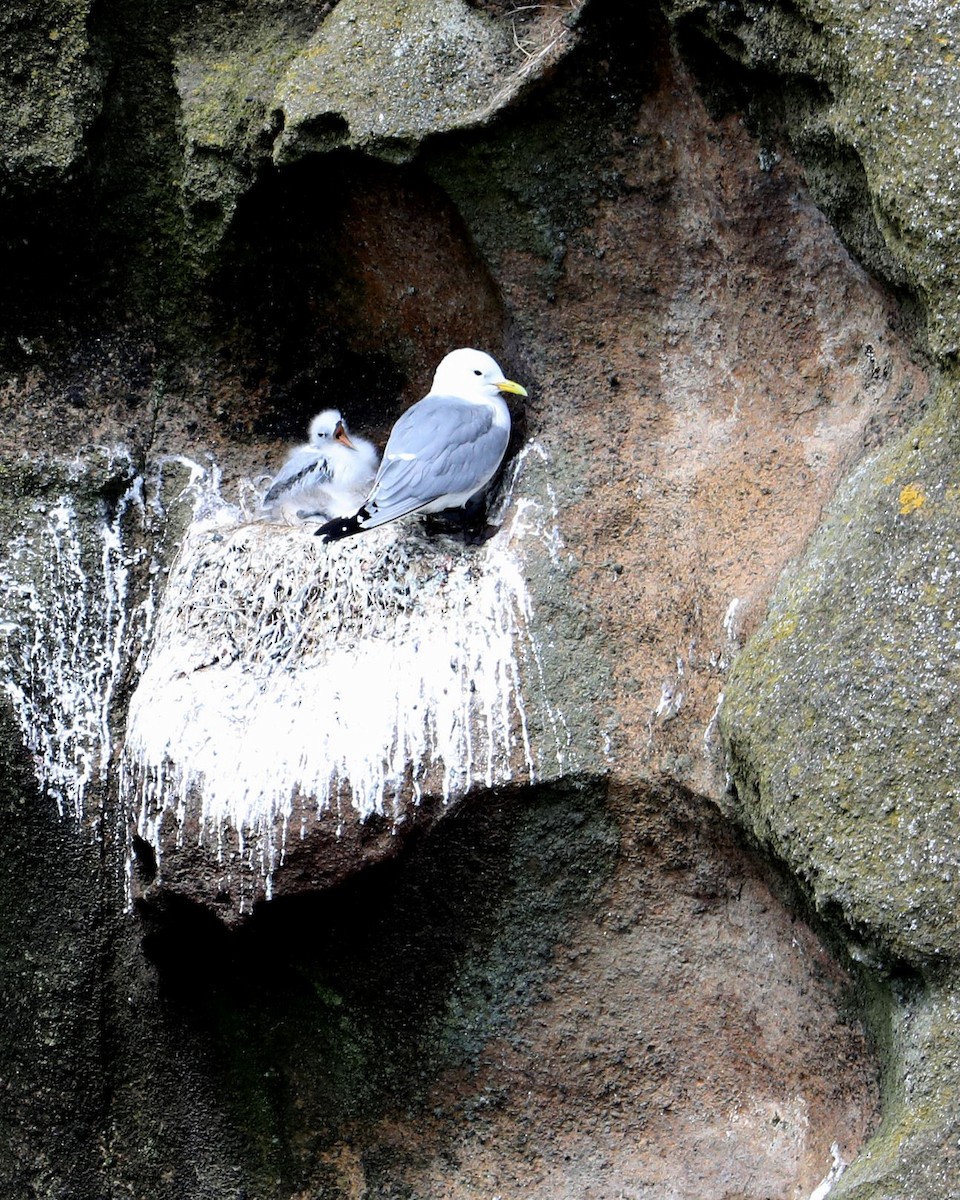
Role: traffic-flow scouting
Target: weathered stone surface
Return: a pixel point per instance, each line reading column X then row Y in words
column 281, row 84
column 840, row 710
column 586, row 985
column 52, row 990
column 838, row 716
column 656, row 361
column 877, row 80
column 385, row 77
column 441, row 1037
column 859, row 796
column 70, row 622
column 50, row 89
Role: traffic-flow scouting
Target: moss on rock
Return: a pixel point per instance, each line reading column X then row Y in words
column 840, row 720
column 839, row 712
column 872, row 84
column 286, row 85
column 50, row 88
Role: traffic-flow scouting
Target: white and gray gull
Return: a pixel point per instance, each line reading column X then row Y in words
column 443, row 450
column 327, row 477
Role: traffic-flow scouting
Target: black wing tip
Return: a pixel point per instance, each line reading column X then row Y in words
column 339, row 527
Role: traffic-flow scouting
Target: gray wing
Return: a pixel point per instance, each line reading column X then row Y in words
column 304, row 469
column 441, row 446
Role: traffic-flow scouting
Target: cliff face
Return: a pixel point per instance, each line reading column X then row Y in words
column 614, row 854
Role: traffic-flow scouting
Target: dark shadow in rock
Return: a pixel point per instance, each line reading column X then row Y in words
column 468, row 524
column 343, row 283
column 332, row 1008
column 102, row 248
column 52, row 939
column 572, row 968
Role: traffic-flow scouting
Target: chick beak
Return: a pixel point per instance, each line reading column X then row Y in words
column 340, row 435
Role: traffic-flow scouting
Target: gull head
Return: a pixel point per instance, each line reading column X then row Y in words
column 471, row 373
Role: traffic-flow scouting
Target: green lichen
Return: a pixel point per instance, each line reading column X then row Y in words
column 867, row 93
column 853, row 709
column 917, row 1028
column 284, row 85
column 225, row 81
column 840, row 720
column 532, row 179
column 49, row 88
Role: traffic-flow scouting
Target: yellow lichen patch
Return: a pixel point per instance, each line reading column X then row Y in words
column 911, row 498
column 784, row 627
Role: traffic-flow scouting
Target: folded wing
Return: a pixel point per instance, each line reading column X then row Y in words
column 304, row 470
column 442, row 449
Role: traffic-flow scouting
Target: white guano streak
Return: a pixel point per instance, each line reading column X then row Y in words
column 64, row 634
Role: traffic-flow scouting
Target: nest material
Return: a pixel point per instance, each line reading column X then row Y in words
column 268, row 597
column 289, row 677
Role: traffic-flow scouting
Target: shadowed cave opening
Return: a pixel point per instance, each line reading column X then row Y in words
column 328, row 1009
column 343, row 283
column 545, row 965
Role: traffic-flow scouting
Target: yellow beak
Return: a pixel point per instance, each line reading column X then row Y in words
column 507, row 385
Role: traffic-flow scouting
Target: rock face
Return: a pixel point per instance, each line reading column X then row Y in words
column 857, row 648
column 853, row 791
column 51, row 90
column 283, row 84
column 613, row 855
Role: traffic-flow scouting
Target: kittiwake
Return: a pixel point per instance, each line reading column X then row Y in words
column 327, row 477
column 443, row 450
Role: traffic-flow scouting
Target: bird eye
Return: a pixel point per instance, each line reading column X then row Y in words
column 477, row 371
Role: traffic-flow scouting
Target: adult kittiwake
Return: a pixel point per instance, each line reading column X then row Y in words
column 443, row 450
column 327, row 477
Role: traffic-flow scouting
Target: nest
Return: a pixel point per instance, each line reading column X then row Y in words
column 289, row 678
